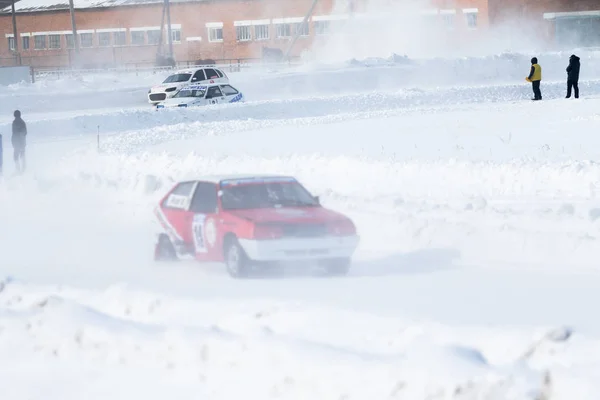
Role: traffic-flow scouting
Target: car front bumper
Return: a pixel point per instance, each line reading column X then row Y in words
column 321, row 248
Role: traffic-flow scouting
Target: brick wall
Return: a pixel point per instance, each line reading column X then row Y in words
column 533, row 10
column 191, row 20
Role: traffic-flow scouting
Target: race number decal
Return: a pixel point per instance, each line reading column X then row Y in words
column 198, row 233
column 210, row 232
column 177, row 201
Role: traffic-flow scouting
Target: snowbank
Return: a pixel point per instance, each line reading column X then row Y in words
column 272, row 350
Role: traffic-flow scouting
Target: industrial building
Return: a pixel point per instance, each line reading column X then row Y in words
column 118, row 32
column 564, row 23
column 134, row 32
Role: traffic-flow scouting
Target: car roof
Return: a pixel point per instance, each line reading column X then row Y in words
column 239, row 177
column 191, row 85
column 193, row 70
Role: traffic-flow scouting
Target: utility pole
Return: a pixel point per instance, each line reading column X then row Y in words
column 15, row 36
column 159, row 51
column 304, row 22
column 74, row 28
column 169, row 33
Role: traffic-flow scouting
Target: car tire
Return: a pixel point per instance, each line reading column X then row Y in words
column 236, row 260
column 337, row 266
column 164, row 249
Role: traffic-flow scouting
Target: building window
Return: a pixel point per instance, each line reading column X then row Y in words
column 69, row 40
column 153, row 37
column 261, row 32
column 11, row 43
column 283, row 30
column 54, row 41
column 87, row 39
column 215, row 34
column 39, row 42
column 243, row 33
column 104, row 39
column 138, row 38
column 25, row 42
column 301, row 29
column 176, row 35
column 321, row 27
column 448, row 20
column 471, row 20
column 120, row 38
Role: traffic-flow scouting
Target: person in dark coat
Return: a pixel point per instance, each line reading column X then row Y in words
column 535, row 77
column 573, row 76
column 1, row 155
column 19, row 133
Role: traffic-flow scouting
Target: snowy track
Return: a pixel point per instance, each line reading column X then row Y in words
column 265, row 113
column 478, row 212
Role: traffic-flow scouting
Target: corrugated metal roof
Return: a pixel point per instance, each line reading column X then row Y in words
column 54, row 5
column 7, row 4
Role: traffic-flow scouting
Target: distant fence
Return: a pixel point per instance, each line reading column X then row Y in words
column 227, row 65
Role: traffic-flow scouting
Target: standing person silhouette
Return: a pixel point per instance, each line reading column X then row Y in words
column 535, row 77
column 19, row 133
column 573, row 76
column 1, row 155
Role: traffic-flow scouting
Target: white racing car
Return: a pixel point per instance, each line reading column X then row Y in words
column 182, row 78
column 201, row 95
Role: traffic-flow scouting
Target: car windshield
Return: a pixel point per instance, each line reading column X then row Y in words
column 199, row 92
column 177, row 78
column 266, row 195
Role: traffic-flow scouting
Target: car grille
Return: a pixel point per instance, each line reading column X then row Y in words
column 157, row 96
column 304, row 230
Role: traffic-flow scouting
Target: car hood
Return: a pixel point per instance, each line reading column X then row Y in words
column 288, row 214
column 163, row 87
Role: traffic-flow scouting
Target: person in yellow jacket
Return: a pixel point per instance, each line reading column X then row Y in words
column 535, row 77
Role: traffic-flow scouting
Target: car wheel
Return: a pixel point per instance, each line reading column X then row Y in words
column 337, row 267
column 236, row 260
column 164, row 249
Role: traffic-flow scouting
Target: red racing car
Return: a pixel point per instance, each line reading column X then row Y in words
column 252, row 221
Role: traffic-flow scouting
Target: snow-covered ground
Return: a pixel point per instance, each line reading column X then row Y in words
column 478, row 210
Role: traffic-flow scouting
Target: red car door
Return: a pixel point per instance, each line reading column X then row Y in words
column 174, row 214
column 204, row 223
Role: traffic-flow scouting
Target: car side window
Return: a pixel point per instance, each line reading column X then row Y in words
column 228, row 90
column 211, row 73
column 199, row 76
column 179, row 197
column 219, row 73
column 205, row 198
column 213, row 91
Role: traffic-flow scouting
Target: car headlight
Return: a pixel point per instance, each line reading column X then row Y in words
column 171, row 89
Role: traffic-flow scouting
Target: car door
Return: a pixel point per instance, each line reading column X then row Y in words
column 222, row 75
column 231, row 94
column 212, row 75
column 214, row 95
column 205, row 226
column 174, row 212
column 198, row 76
